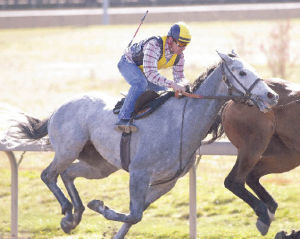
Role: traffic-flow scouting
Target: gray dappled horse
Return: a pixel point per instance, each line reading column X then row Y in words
column 161, row 151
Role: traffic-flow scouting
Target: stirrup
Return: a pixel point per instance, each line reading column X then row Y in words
column 126, row 128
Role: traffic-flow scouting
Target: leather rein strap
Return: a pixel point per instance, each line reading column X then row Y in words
column 211, row 97
column 242, row 97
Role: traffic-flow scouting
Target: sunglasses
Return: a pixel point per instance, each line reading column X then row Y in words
column 180, row 44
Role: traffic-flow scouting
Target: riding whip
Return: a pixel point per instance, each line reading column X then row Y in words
column 142, row 20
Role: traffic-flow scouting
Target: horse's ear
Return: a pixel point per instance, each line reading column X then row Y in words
column 233, row 53
column 225, row 58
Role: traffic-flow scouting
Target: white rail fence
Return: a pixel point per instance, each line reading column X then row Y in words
column 217, row 148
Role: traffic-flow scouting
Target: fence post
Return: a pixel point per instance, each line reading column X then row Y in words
column 105, row 16
column 193, row 203
column 14, row 194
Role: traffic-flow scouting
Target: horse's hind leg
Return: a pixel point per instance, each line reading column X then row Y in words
column 49, row 177
column 99, row 170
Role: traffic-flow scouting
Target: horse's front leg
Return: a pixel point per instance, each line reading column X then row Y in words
column 153, row 194
column 235, row 182
column 139, row 185
column 253, row 182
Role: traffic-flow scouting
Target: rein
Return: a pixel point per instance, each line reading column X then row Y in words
column 213, row 97
column 242, row 97
column 289, row 103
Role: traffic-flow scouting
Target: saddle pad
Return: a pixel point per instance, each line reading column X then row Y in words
column 146, row 104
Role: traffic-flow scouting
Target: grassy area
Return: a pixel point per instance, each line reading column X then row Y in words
column 220, row 214
column 42, row 68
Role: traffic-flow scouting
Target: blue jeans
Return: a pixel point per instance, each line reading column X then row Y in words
column 139, row 84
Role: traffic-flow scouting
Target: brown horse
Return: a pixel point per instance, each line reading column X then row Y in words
column 267, row 143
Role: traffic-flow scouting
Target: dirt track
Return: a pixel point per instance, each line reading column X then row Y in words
column 84, row 17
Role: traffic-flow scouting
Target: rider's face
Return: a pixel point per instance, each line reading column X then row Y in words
column 177, row 47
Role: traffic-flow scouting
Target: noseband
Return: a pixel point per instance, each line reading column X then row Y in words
column 246, row 96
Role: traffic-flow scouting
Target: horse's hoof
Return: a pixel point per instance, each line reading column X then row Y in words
column 280, row 235
column 66, row 225
column 96, row 205
column 262, row 227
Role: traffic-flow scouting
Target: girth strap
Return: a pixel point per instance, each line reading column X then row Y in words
column 125, row 150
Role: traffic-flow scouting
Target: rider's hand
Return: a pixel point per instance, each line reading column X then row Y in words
column 178, row 87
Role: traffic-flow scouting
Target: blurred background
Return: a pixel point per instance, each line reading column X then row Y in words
column 54, row 50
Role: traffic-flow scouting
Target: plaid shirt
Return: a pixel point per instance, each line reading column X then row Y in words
column 151, row 57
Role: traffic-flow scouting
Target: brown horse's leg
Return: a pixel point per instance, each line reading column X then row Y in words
column 249, row 153
column 250, row 131
column 277, row 159
column 260, row 191
column 235, row 182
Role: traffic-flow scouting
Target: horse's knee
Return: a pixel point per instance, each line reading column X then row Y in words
column 66, row 177
column 47, row 178
column 135, row 218
column 251, row 180
column 228, row 182
column 232, row 185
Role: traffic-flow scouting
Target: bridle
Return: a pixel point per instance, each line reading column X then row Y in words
column 243, row 97
column 247, row 95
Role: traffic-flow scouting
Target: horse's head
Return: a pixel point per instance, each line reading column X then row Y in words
column 243, row 80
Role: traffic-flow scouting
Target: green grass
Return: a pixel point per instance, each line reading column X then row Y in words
column 42, row 68
column 219, row 213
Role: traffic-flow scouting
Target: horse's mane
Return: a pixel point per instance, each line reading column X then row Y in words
column 216, row 130
column 196, row 84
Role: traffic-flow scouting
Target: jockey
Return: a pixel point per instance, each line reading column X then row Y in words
column 140, row 63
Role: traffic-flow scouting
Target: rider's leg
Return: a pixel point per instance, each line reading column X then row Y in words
column 138, row 82
column 155, row 87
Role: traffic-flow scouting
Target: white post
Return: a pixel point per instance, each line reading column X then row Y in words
column 14, row 194
column 193, row 203
column 105, row 16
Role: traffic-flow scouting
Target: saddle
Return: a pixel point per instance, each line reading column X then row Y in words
column 146, row 104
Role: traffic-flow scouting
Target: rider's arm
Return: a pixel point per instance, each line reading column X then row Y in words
column 178, row 70
column 151, row 58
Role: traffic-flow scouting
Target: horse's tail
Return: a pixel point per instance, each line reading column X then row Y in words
column 33, row 129
column 23, row 129
column 216, row 130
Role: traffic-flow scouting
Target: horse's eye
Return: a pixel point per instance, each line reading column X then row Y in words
column 242, row 73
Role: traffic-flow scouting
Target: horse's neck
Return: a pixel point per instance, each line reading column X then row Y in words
column 287, row 91
column 200, row 114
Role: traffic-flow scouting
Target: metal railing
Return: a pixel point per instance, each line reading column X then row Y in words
column 216, row 148
column 59, row 4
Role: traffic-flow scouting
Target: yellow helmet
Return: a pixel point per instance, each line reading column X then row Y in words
column 180, row 32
